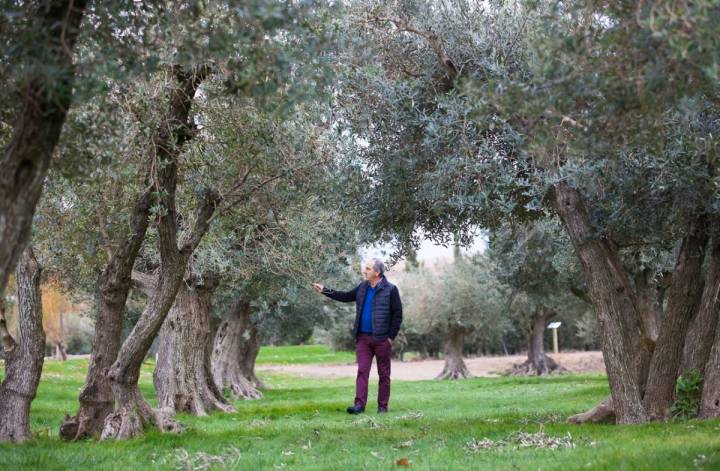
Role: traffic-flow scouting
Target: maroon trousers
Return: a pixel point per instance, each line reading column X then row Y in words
column 365, row 349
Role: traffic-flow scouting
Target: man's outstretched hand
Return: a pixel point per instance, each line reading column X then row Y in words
column 318, row 287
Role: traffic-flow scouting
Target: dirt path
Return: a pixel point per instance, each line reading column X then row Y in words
column 585, row 362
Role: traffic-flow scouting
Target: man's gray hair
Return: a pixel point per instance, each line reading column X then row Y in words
column 378, row 265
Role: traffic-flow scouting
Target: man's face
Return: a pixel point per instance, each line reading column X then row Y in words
column 369, row 272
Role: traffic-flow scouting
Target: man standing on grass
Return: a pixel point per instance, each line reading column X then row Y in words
column 377, row 321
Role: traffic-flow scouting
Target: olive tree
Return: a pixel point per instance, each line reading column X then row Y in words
column 237, row 58
column 529, row 260
column 514, row 123
column 451, row 302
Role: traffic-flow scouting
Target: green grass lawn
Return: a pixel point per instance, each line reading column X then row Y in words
column 301, row 424
column 302, row 355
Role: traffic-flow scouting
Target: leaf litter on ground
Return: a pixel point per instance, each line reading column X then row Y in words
column 537, row 440
column 367, row 421
column 201, row 461
column 410, row 415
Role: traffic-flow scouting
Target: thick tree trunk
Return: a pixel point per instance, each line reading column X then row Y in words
column 96, row 399
column 228, row 351
column 700, row 336
column 710, row 403
column 132, row 412
column 249, row 353
column 537, row 362
column 614, row 301
column 60, row 353
column 650, row 310
column 182, row 377
column 24, row 359
column 649, row 305
column 686, row 288
column 45, row 97
column 455, row 367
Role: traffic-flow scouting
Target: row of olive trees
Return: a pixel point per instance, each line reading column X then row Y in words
column 192, row 160
column 482, row 305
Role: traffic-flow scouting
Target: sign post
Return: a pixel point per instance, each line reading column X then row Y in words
column 554, row 327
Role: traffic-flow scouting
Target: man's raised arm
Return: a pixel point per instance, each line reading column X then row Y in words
column 342, row 296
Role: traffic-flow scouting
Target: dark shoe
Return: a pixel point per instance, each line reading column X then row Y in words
column 355, row 410
column 382, row 410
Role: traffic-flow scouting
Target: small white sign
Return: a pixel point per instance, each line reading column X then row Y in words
column 554, row 325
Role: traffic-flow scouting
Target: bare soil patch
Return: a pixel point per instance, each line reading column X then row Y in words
column 577, row 362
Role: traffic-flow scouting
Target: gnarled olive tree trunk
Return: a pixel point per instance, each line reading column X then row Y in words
column 657, row 352
column 229, row 351
column 24, row 358
column 183, row 379
column 132, row 412
column 650, row 309
column 248, row 354
column 614, row 301
column 45, row 96
column 701, row 333
column 537, row 363
column 686, row 287
column 455, row 367
column 708, row 315
column 710, row 403
column 96, row 399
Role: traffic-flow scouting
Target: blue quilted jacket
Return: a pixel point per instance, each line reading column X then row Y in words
column 387, row 307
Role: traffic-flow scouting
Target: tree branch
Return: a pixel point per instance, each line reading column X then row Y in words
column 432, row 38
column 168, row 150
column 580, row 294
column 202, row 223
column 145, row 282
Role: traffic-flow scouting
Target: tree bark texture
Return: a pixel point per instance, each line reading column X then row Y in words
column 182, row 377
column 537, row 363
column 455, row 367
column 650, row 310
column 132, row 413
column 114, row 283
column 45, row 97
column 249, row 353
column 707, row 320
column 614, row 301
column 684, row 294
column 649, row 306
column 710, row 402
column 228, row 352
column 24, row 358
column 700, row 335
column 685, row 285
